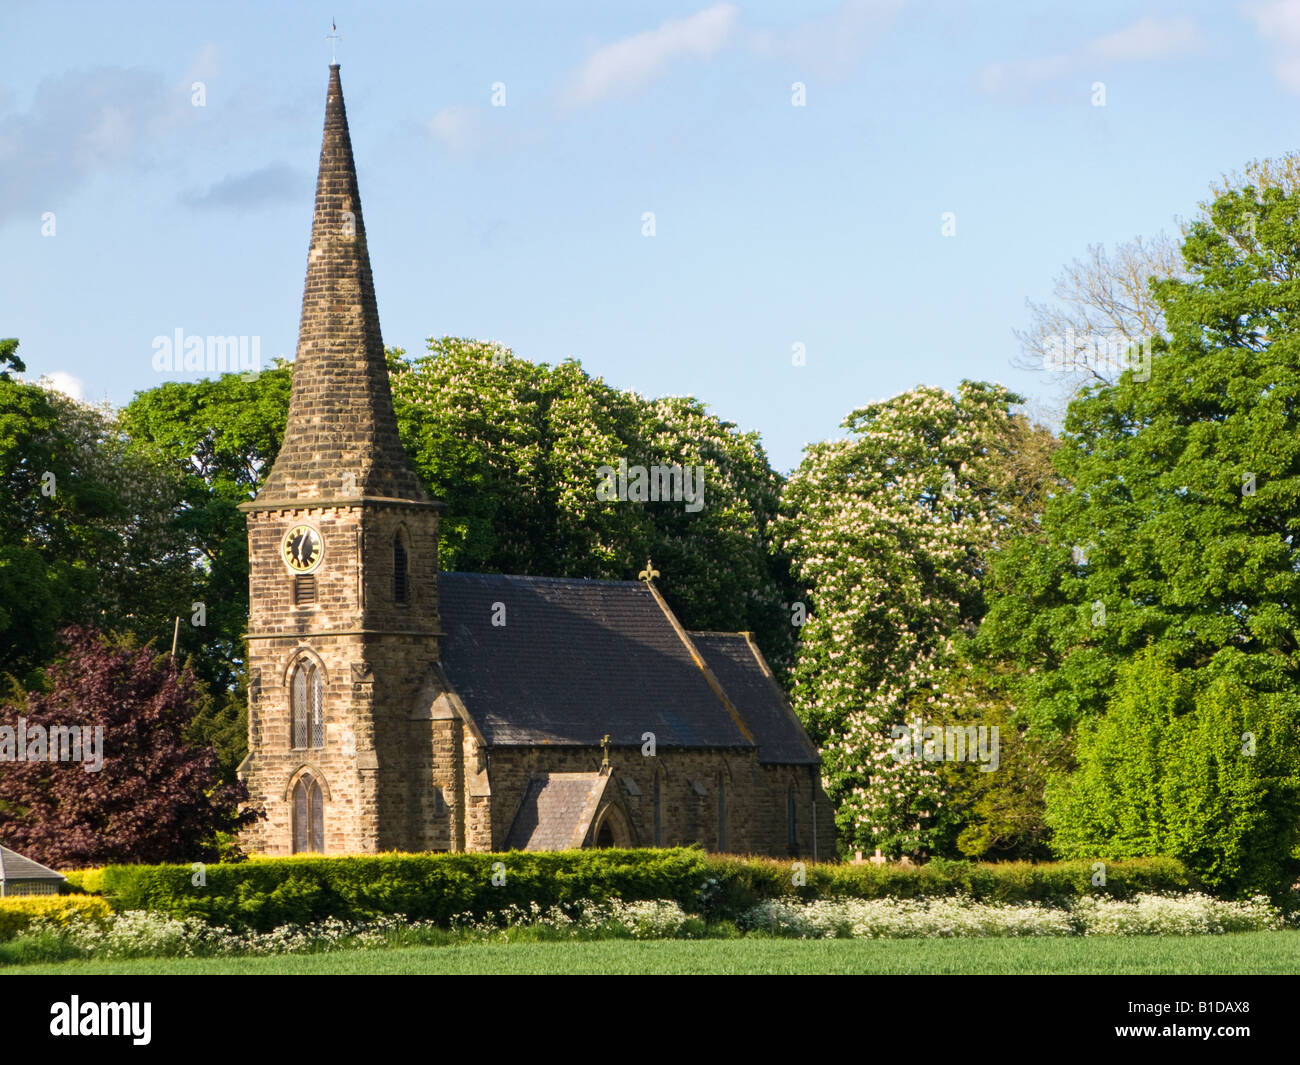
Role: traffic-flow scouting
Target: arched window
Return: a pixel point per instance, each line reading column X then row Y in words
column 791, row 822
column 401, row 589
column 308, row 816
column 307, row 706
column 722, row 812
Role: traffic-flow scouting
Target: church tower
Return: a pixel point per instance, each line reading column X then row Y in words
column 343, row 583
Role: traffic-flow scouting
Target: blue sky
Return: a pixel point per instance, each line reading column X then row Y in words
column 775, row 225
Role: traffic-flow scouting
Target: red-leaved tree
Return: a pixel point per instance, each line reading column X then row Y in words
column 154, row 797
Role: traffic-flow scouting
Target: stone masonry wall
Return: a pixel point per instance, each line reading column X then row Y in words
column 755, row 806
column 376, row 765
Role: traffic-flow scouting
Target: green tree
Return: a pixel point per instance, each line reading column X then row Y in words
column 998, row 812
column 9, row 359
column 1185, row 489
column 84, row 527
column 514, row 449
column 218, row 439
column 1197, row 765
column 1177, row 533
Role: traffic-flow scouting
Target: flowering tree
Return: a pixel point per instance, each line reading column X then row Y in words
column 514, row 447
column 890, row 530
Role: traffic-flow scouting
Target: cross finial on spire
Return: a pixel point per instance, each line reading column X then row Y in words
column 333, row 38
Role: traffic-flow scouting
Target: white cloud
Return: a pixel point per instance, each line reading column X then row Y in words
column 630, row 63
column 998, row 76
column 203, row 67
column 65, row 383
column 263, row 187
column 79, row 123
column 85, row 122
column 455, row 126
column 1278, row 21
column 1149, row 38
column 829, row 43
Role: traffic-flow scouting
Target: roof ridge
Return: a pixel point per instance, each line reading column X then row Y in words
column 530, row 577
column 732, row 710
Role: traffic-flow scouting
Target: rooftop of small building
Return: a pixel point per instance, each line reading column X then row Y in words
column 14, row 866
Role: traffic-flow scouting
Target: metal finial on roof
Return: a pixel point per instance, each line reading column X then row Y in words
column 649, row 573
column 604, row 746
column 333, row 37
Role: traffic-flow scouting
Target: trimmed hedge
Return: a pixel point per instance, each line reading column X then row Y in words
column 19, row 911
column 263, row 893
column 744, row 882
column 84, row 881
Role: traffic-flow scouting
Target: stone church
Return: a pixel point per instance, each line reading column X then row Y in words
column 394, row 707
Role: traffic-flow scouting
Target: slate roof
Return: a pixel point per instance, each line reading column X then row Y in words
column 556, row 811
column 576, row 659
column 736, row 663
column 13, row 866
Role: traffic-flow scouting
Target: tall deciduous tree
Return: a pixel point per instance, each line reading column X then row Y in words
column 1109, row 294
column 514, row 449
column 218, row 438
column 1104, row 295
column 891, row 529
column 1179, row 531
column 85, row 527
column 1179, row 526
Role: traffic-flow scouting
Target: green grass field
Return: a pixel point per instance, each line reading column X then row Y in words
column 1250, row 952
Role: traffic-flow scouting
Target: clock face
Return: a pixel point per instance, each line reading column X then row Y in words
column 302, row 549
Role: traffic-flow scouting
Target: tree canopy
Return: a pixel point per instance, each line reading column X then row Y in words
column 153, row 797
column 85, row 527
column 1174, row 547
column 892, row 529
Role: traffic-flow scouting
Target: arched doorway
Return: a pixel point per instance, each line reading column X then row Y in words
column 611, row 829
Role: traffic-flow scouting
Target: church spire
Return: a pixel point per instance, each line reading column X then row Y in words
column 341, row 438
